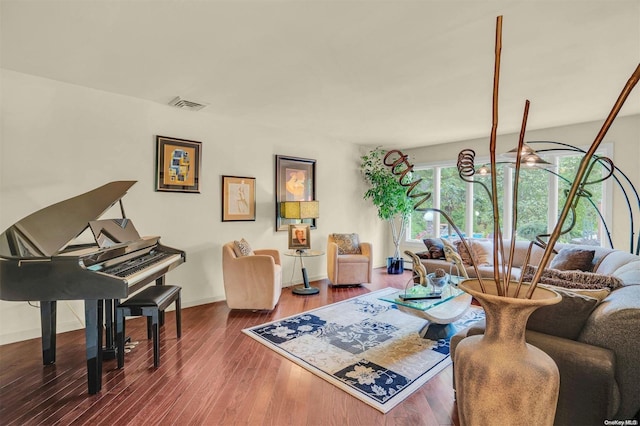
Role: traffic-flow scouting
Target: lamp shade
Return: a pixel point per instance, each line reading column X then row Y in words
column 528, row 157
column 300, row 209
column 532, row 160
column 526, row 150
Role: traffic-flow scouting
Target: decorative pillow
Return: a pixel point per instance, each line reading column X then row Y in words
column 347, row 243
column 463, row 252
column 424, row 254
column 572, row 259
column 242, row 248
column 435, row 247
column 573, row 279
column 566, row 318
column 482, row 251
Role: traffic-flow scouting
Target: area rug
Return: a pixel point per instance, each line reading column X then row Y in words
column 364, row 346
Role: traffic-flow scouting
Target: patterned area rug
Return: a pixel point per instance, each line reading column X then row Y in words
column 364, row 346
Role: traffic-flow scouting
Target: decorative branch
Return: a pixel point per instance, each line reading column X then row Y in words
column 497, row 235
column 400, row 166
column 634, row 245
column 514, row 209
column 577, row 183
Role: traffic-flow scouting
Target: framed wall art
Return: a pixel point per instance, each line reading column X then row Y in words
column 178, row 164
column 295, row 181
column 299, row 236
column 238, row 198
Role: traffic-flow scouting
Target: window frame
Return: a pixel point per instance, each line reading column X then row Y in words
column 606, row 208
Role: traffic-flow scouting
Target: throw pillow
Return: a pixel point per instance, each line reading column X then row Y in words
column 435, row 247
column 463, row 252
column 424, row 254
column 566, row 318
column 482, row 252
column 572, row 259
column 242, row 248
column 573, row 279
column 347, row 243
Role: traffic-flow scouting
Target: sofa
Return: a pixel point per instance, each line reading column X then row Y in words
column 592, row 335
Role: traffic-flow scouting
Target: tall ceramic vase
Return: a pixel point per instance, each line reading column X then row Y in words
column 501, row 379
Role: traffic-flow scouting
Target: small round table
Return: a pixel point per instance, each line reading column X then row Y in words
column 299, row 254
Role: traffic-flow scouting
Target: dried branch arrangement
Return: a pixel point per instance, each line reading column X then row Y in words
column 401, row 167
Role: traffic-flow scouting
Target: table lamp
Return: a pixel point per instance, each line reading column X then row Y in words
column 300, row 210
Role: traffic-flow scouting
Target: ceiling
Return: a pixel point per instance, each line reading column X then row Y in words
column 399, row 73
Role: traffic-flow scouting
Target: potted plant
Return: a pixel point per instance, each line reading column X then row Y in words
column 390, row 197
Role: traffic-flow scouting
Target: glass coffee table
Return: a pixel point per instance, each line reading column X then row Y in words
column 440, row 313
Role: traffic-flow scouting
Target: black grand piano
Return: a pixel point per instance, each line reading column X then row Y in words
column 39, row 262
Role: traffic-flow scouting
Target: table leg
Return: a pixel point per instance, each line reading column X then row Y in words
column 306, row 289
column 433, row 331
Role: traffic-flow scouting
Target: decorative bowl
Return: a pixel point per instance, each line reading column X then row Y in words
column 438, row 282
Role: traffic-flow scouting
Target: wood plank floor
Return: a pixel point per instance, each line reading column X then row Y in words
column 213, row 375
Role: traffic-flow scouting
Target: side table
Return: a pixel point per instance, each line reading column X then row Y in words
column 300, row 254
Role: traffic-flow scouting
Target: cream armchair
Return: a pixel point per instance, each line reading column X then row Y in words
column 349, row 261
column 252, row 280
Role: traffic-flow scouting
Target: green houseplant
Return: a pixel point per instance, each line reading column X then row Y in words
column 389, row 196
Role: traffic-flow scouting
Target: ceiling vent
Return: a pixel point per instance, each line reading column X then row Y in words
column 185, row 104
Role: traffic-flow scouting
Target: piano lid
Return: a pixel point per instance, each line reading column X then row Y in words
column 47, row 231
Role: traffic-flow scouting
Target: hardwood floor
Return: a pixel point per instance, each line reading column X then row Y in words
column 213, row 375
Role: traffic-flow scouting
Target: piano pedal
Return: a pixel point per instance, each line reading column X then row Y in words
column 130, row 345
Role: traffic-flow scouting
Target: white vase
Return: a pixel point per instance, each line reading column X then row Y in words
column 501, row 379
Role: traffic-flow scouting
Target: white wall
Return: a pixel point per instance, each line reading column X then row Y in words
column 623, row 136
column 60, row 140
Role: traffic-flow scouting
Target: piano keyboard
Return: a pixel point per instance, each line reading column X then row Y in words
column 139, row 268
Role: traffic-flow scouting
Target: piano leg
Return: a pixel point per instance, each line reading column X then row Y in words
column 93, row 311
column 48, row 323
column 109, row 351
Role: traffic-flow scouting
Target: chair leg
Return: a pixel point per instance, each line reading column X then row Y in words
column 178, row 317
column 149, row 327
column 156, row 338
column 120, row 332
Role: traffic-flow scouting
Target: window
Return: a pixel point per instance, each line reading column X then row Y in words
column 421, row 224
column 541, row 197
column 453, row 192
column 586, row 229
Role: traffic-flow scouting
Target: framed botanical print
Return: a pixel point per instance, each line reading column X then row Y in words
column 295, row 181
column 238, row 198
column 178, row 164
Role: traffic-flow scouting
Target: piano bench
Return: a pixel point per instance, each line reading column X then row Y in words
column 149, row 303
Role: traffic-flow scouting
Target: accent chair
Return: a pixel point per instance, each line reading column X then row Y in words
column 252, row 278
column 349, row 260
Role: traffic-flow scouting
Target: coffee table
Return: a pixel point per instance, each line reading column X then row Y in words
column 440, row 313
